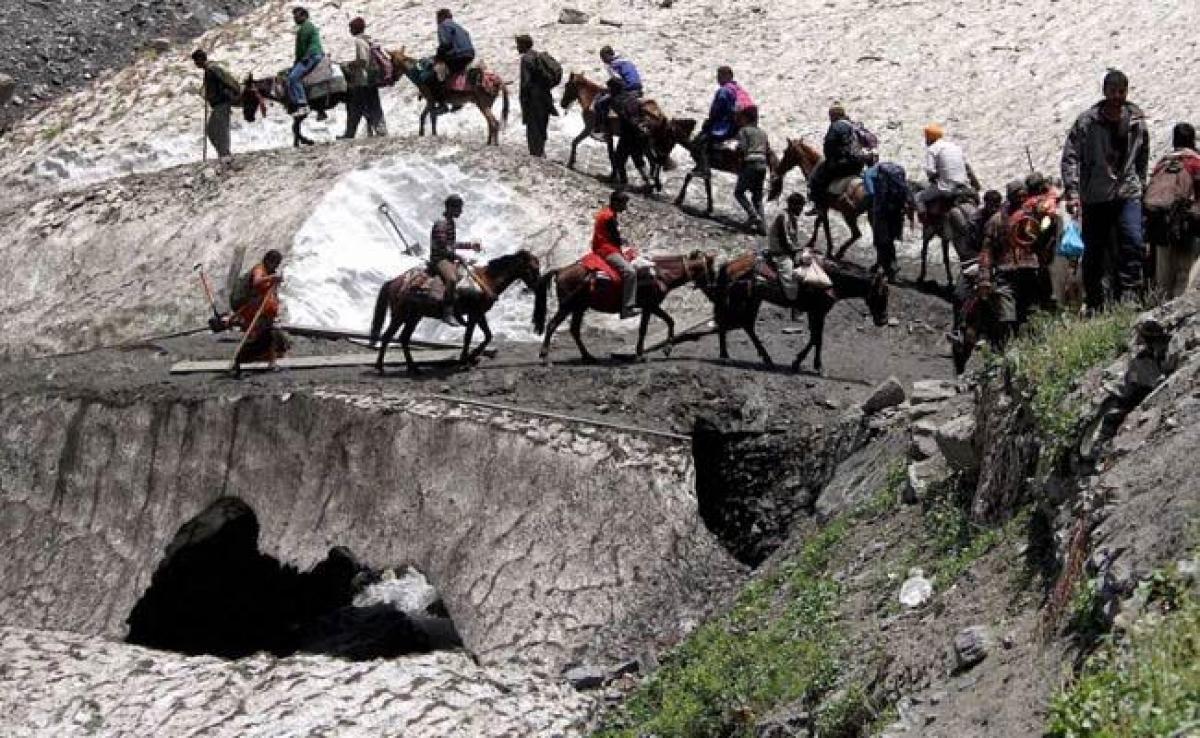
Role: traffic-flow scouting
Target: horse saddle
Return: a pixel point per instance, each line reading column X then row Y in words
column 424, row 283
column 323, row 72
column 602, row 270
column 324, row 80
column 842, row 187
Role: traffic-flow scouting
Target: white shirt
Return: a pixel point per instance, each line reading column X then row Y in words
column 946, row 165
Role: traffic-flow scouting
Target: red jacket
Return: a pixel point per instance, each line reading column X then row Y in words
column 606, row 238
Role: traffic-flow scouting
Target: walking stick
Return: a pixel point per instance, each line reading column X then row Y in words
column 235, row 365
column 204, row 133
column 215, row 322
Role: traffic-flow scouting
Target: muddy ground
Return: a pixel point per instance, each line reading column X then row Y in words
column 662, row 393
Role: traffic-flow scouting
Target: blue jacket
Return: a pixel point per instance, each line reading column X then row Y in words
column 720, row 123
column 628, row 73
column 453, row 41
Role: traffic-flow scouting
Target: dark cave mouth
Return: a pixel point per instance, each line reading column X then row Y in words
column 216, row 594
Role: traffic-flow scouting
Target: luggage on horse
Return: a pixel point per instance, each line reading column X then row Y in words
column 1169, row 201
column 809, row 271
column 420, row 283
column 325, row 80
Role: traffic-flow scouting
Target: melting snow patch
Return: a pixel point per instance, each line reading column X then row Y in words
column 346, row 249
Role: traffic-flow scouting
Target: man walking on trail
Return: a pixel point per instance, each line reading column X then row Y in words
column 783, row 243
column 1173, row 213
column 841, row 159
column 721, row 123
column 754, row 152
column 220, row 91
column 1104, row 163
column 1009, row 268
column 364, row 92
column 258, row 296
column 443, row 256
column 607, row 243
column 537, row 104
column 309, row 54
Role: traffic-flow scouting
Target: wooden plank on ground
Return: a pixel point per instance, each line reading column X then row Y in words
column 363, row 338
column 314, row 362
column 693, row 332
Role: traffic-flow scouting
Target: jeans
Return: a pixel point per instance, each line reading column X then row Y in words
column 296, row 76
column 628, row 280
column 1113, row 251
column 750, row 180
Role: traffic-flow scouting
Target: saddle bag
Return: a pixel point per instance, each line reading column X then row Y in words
column 810, row 273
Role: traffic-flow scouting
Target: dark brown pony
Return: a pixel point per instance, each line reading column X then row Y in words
column 662, row 136
column 408, row 307
column 578, row 291
column 722, row 160
column 742, row 286
column 851, row 205
column 256, row 93
column 478, row 95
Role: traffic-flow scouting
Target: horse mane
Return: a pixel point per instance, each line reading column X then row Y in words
column 503, row 263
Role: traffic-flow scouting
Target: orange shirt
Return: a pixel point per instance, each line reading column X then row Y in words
column 263, row 287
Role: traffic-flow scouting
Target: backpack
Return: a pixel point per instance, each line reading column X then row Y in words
column 1170, row 195
column 548, row 68
column 863, row 138
column 1025, row 227
column 742, row 100
column 381, row 64
column 231, row 84
column 891, row 187
column 242, row 292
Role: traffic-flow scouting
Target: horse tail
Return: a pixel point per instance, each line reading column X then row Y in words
column 504, row 106
column 381, row 309
column 541, row 298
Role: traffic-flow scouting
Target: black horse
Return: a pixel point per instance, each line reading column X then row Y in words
column 256, row 93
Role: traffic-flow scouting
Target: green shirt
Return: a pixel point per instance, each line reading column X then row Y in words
column 308, row 40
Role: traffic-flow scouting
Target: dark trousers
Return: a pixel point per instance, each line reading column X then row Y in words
column 364, row 103
column 1113, row 251
column 702, row 146
column 886, row 227
column 536, row 123
column 750, row 181
column 217, row 129
column 828, row 172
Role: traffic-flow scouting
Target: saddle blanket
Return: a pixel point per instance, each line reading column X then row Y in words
column 323, row 72
column 419, row 283
column 840, row 187
column 603, row 270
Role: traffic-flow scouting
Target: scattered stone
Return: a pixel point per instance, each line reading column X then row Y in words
column 569, row 16
column 584, row 677
column 916, row 590
column 632, row 666
column 613, row 23
column 932, row 390
column 956, row 441
column 971, row 646
column 161, row 44
column 890, row 393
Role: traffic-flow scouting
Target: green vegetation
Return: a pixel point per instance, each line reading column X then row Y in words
column 1146, row 683
column 1052, row 355
column 50, row 133
column 951, row 537
column 779, row 645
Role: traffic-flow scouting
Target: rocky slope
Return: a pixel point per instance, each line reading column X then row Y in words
column 57, row 47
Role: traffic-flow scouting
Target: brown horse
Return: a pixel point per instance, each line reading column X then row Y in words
column 482, row 95
column 661, row 136
column 408, row 306
column 743, row 285
column 850, row 204
column 256, row 93
column 579, row 290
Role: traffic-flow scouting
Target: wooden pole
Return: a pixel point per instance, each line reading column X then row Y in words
column 234, row 364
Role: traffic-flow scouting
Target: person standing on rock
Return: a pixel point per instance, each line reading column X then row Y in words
column 309, row 54
column 364, row 94
column 537, row 104
column 1104, row 164
column 220, row 91
column 443, row 254
column 607, row 243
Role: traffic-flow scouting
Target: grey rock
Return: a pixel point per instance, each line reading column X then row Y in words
column 8, row 86
column 861, row 476
column 971, row 646
column 889, row 393
column 161, row 44
column 932, row 390
column 570, row 16
column 584, row 677
column 956, row 442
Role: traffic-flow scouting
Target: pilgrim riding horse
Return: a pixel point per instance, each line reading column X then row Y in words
column 743, row 284
column 851, row 201
column 417, row 294
column 591, row 284
column 456, row 92
column 322, row 97
column 722, row 159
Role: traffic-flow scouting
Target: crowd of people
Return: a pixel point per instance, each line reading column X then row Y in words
column 1131, row 219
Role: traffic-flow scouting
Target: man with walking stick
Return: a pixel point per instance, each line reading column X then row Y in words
column 220, row 92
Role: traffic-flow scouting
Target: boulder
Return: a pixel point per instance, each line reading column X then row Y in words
column 8, row 86
column 861, row 476
column 916, row 589
column 569, row 16
column 956, row 441
column 971, row 646
column 932, row 390
column 921, row 474
column 583, row 677
column 161, row 45
column 889, row 393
